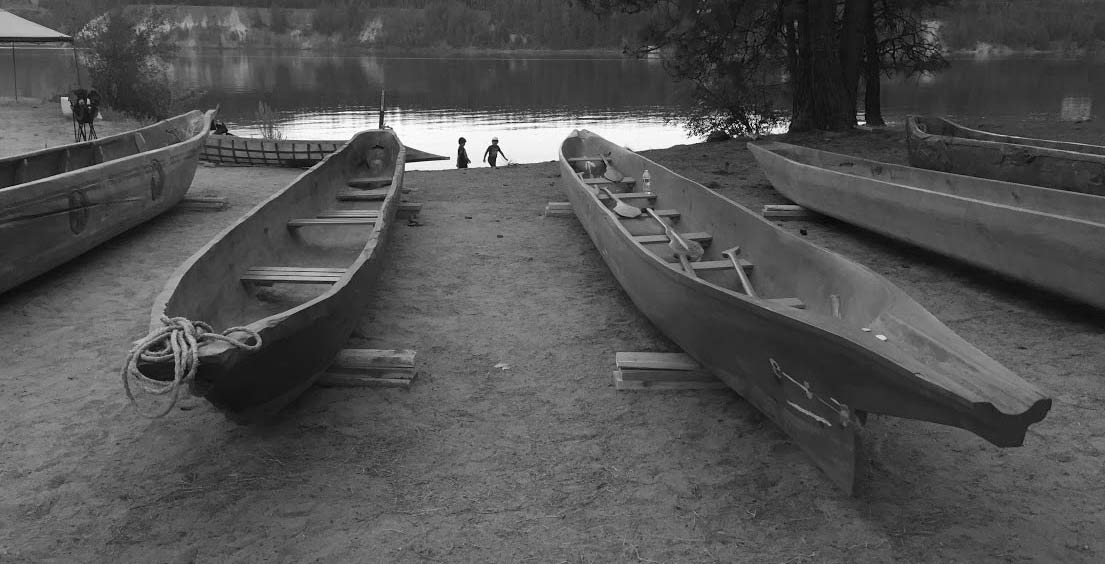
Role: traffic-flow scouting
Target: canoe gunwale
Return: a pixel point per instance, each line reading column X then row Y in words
column 1042, row 266
column 216, row 352
column 913, row 129
column 965, row 407
column 120, row 163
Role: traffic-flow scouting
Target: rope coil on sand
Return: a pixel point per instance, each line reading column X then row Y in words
column 177, row 342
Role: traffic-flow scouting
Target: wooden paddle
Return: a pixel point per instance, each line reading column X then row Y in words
column 680, row 246
column 621, row 208
column 745, row 282
column 612, row 174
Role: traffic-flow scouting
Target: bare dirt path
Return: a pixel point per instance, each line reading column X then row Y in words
column 541, row 461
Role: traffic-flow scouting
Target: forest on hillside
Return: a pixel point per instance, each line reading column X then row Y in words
column 1043, row 25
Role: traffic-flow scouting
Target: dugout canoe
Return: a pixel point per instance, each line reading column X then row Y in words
column 943, row 145
column 289, row 280
column 818, row 342
column 1045, row 237
column 56, row 204
column 249, row 151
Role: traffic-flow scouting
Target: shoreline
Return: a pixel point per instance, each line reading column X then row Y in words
column 540, row 461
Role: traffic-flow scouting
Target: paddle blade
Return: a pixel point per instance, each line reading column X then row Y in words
column 625, row 210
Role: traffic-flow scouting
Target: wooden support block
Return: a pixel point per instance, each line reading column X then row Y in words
column 203, row 203
column 559, row 208
column 372, row 368
column 408, row 210
column 789, row 302
column 787, row 211
column 661, row 371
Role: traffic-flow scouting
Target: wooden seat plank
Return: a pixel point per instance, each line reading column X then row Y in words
column 630, row 195
column 790, row 302
column 703, row 238
column 296, row 223
column 627, row 181
column 715, row 265
column 369, row 182
column 672, row 214
column 291, row 275
column 349, row 213
column 363, row 195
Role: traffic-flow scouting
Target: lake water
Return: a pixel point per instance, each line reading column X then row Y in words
column 531, row 103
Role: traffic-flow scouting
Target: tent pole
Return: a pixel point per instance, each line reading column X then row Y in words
column 15, row 79
column 76, row 65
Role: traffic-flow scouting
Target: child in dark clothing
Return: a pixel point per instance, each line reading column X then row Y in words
column 493, row 151
column 462, row 154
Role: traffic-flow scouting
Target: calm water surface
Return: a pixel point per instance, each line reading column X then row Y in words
column 531, row 103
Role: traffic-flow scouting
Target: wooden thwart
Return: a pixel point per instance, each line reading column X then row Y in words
column 296, row 223
column 369, row 182
column 787, row 211
column 626, row 181
column 363, row 195
column 713, row 265
column 661, row 371
column 372, row 368
column 268, row 275
column 630, row 196
column 701, row 237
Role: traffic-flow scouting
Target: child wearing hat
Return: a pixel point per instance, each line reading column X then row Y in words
column 493, row 151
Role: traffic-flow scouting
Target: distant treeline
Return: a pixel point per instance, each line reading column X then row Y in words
column 1043, row 25
column 455, row 24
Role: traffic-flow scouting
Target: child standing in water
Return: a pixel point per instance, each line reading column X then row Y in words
column 493, row 151
column 462, row 154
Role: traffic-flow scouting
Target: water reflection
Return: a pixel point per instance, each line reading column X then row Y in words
column 532, row 103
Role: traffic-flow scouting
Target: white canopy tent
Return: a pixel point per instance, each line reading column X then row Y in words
column 14, row 29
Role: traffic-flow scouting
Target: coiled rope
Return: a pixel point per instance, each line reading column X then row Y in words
column 179, row 341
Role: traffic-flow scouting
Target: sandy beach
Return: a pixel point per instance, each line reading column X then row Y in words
column 542, row 461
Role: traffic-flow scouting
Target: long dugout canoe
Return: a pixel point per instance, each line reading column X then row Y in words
column 812, row 339
column 940, row 144
column 288, row 282
column 56, row 204
column 1045, row 237
column 249, row 151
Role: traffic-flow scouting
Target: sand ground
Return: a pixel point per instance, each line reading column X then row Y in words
column 539, row 462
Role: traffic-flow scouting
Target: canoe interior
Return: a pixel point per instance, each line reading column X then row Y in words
column 920, row 369
column 939, row 144
column 52, row 215
column 947, row 128
column 29, row 167
column 210, row 287
column 1076, row 205
column 234, row 150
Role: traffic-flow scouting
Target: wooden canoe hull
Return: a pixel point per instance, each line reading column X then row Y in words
column 54, row 218
column 248, row 151
column 814, row 373
column 298, row 343
column 1045, row 237
column 940, row 144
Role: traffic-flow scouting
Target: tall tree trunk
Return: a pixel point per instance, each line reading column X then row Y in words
column 820, row 99
column 856, row 21
column 872, row 97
